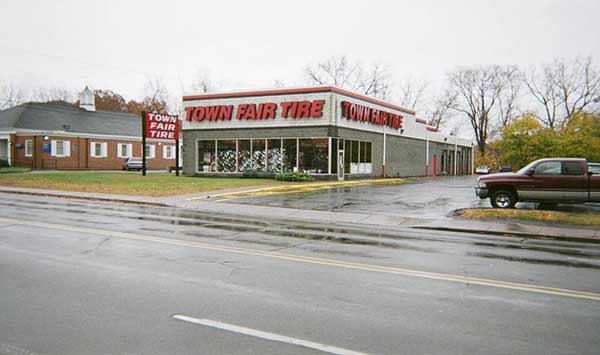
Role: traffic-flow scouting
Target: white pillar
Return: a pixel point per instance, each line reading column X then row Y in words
column 472, row 159
column 329, row 157
column 384, row 147
column 427, row 152
column 455, row 154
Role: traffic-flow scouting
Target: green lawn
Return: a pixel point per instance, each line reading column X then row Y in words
column 582, row 218
column 153, row 184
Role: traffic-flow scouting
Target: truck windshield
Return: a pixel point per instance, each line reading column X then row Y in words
column 524, row 170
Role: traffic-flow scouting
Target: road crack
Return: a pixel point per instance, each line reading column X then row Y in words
column 94, row 249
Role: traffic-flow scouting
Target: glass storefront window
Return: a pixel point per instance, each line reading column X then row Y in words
column 314, row 155
column 244, row 157
column 347, row 156
column 226, row 156
column 281, row 155
column 289, row 154
column 206, row 156
column 354, row 167
column 365, row 166
column 334, row 155
column 259, row 156
column 274, row 155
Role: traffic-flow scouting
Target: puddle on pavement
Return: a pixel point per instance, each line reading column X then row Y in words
column 575, row 264
column 575, row 253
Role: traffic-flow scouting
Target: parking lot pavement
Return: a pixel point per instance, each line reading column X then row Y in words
column 418, row 198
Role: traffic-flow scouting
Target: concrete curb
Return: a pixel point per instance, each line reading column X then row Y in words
column 512, row 233
column 88, row 198
column 388, row 221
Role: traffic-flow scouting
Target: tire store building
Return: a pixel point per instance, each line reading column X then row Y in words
column 325, row 131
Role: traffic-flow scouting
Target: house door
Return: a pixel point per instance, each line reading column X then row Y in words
column 340, row 165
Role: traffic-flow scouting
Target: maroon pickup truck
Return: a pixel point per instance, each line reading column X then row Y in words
column 555, row 180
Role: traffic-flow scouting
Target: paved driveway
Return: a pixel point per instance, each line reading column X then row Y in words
column 418, row 198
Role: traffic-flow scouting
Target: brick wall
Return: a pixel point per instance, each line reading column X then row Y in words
column 80, row 157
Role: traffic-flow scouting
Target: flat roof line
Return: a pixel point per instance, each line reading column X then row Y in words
column 302, row 90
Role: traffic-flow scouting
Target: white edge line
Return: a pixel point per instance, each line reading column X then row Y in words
column 267, row 335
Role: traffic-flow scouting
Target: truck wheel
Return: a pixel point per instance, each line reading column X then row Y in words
column 503, row 199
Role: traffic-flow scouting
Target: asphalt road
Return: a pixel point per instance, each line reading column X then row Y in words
column 79, row 277
column 416, row 198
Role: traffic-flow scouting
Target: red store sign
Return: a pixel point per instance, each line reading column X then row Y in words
column 252, row 111
column 162, row 126
column 362, row 113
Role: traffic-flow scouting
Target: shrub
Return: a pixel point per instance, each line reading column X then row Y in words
column 302, row 177
column 256, row 174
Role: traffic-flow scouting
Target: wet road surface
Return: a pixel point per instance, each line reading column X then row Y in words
column 80, row 277
column 417, row 198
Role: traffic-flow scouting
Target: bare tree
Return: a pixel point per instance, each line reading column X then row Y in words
column 340, row 72
column 52, row 95
column 374, row 81
column 411, row 93
column 440, row 110
column 544, row 88
column 508, row 100
column 10, row 96
column 157, row 96
column 579, row 84
column 477, row 91
column 564, row 88
column 278, row 83
column 204, row 83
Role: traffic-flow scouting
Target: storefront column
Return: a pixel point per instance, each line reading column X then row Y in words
column 455, row 154
column 384, row 146
column 427, row 152
column 329, row 157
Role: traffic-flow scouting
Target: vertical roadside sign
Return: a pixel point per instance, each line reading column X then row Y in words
column 160, row 126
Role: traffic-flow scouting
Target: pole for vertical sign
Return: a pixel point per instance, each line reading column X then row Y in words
column 143, row 143
column 177, row 156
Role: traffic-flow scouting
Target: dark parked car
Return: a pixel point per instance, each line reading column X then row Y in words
column 505, row 169
column 132, row 163
column 556, row 180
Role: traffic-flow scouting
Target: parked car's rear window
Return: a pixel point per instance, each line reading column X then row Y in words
column 572, row 168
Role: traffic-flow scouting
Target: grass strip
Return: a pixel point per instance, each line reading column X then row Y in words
column 123, row 183
column 581, row 218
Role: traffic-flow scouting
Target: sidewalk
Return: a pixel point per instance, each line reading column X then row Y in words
column 200, row 202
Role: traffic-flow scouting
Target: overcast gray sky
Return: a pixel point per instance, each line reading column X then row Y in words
column 118, row 45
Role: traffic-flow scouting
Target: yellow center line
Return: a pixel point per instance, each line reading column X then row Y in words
column 301, row 188
column 321, row 261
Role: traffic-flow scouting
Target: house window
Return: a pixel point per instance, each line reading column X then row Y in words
column 60, row 148
column 168, row 152
column 124, row 150
column 98, row 150
column 149, row 151
column 28, row 147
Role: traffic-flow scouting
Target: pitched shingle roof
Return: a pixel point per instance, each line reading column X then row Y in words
column 51, row 117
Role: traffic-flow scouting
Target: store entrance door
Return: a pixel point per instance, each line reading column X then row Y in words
column 340, row 165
